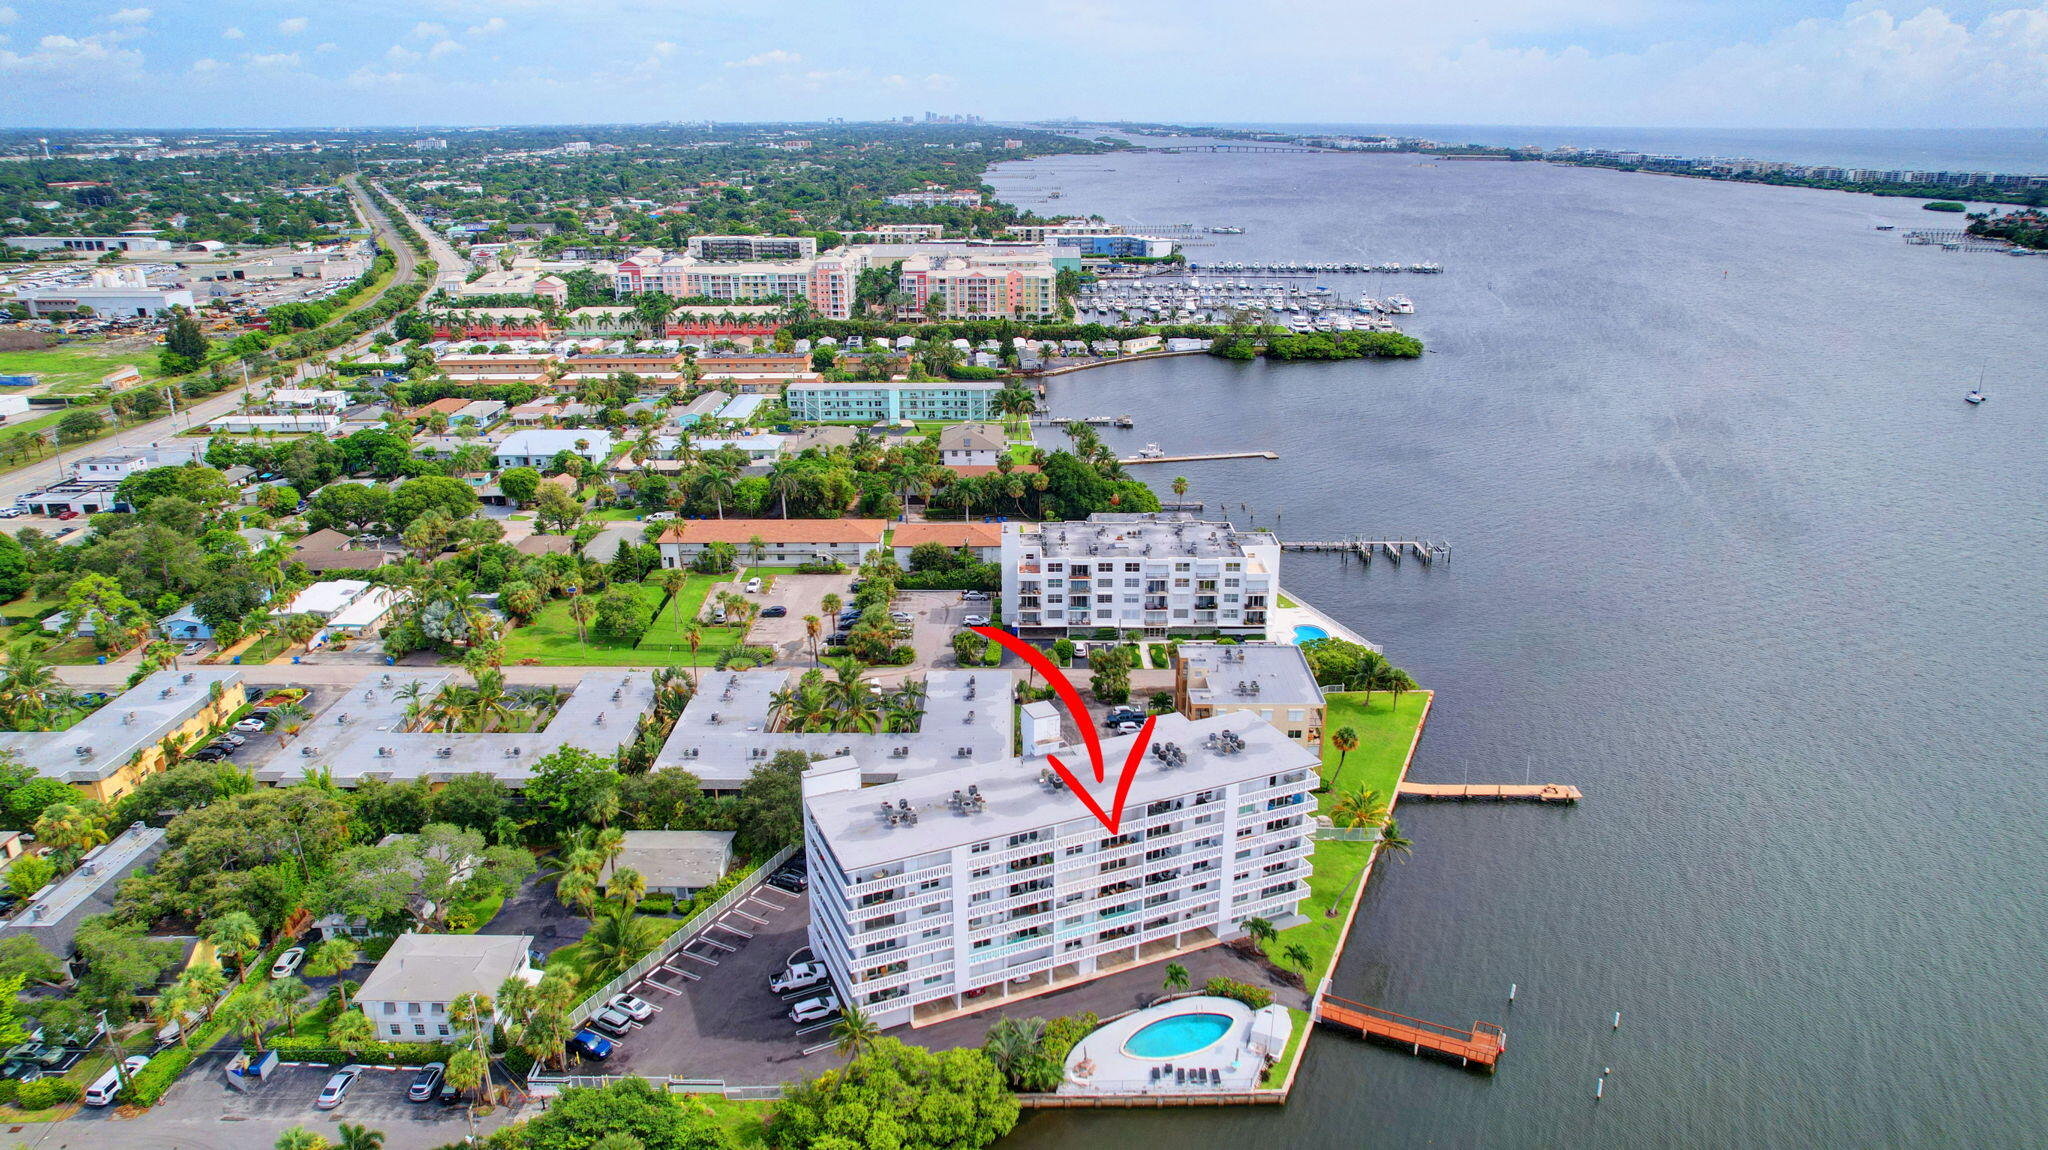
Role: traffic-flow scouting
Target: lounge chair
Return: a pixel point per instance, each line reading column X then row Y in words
column 1180, row 1078
column 1155, row 1074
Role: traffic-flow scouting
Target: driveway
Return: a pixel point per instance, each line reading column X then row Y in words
column 938, row 616
column 536, row 911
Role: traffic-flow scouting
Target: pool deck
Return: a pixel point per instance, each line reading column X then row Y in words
column 1099, row 1064
column 1281, row 622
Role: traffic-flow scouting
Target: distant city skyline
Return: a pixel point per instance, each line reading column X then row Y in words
column 1745, row 64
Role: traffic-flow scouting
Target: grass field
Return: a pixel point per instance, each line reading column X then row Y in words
column 741, row 1120
column 265, row 649
column 666, row 640
column 73, row 369
column 550, row 638
column 1384, row 737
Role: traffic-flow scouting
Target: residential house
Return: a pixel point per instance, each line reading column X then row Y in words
column 972, row 445
column 407, row 997
column 537, row 447
column 984, row 540
column 784, row 542
column 676, row 863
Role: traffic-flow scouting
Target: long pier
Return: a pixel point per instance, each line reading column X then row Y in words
column 1136, row 459
column 1090, row 420
column 1189, row 148
column 1478, row 1048
column 1425, row 550
column 1499, row 792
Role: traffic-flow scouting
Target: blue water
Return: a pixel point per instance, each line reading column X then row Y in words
column 1180, row 1035
column 1306, row 632
column 2020, row 150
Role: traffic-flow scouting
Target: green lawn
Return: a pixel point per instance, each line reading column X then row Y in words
column 1384, row 739
column 611, row 515
column 572, row 958
column 1337, row 867
column 1276, row 1074
column 550, row 637
column 665, row 641
column 741, row 1120
column 75, row 368
column 1286, row 602
column 481, row 911
column 265, row 649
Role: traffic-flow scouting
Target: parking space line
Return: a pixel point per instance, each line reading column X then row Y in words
column 723, row 925
column 809, row 1050
column 716, row 943
column 698, row 957
column 755, row 919
column 814, row 1027
column 677, row 970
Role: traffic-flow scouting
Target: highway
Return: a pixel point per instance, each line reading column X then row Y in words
column 44, row 472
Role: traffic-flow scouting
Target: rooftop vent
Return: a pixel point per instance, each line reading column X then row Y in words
column 384, row 752
column 714, row 718
column 600, row 719
column 900, row 752
column 444, row 752
column 128, row 718
column 1169, row 754
column 970, row 718
column 512, row 752
column 83, row 751
column 187, row 678
column 342, row 718
column 308, row 752
column 964, row 753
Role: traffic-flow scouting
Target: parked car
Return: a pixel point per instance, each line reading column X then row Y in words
column 612, row 1021
column 902, row 617
column 812, row 1009
column 753, row 586
column 426, row 1082
column 13, row 513
column 718, row 614
column 337, row 1087
column 976, row 621
column 287, row 963
column 450, row 1093
column 639, row 1010
column 1128, row 725
column 192, row 648
column 775, row 612
column 210, row 754
column 251, row 726
column 103, row 1091
column 790, row 879
column 1124, row 715
column 974, row 596
column 799, row 976
column 67, row 515
column 232, row 739
column 591, row 1044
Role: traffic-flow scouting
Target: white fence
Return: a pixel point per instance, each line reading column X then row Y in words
column 699, row 921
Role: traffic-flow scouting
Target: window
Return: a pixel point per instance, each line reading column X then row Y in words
column 420, row 1029
column 444, row 1030
column 396, row 1030
column 978, row 848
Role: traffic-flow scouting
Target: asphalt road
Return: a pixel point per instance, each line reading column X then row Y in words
column 44, row 472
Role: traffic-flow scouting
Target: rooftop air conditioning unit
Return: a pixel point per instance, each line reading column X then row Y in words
column 444, row 752
column 384, row 752
column 512, row 752
column 128, row 718
column 82, row 752
column 308, row 752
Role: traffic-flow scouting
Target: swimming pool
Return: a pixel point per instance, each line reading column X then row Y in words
column 1303, row 632
column 1178, row 1036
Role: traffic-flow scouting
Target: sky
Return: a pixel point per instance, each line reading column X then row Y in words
column 1680, row 63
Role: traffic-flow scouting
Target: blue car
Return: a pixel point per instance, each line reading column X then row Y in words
column 591, row 1044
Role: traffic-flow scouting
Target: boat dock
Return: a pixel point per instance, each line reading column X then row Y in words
column 1428, row 551
column 1498, row 792
column 1199, row 458
column 1090, row 420
column 1478, row 1048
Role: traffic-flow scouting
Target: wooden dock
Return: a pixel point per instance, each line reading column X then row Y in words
column 1136, row 459
column 1478, row 1048
column 1424, row 550
column 1499, row 792
column 1090, row 420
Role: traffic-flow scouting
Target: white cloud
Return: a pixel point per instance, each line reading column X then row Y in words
column 444, row 48
column 275, row 60
column 205, row 65
column 65, row 58
column 426, row 31
column 231, row 33
column 293, row 26
column 368, row 77
column 129, row 16
column 664, row 49
column 400, row 54
column 490, row 27
column 8, row 15
column 772, row 57
column 327, row 46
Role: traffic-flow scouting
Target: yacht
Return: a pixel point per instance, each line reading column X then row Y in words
column 1151, row 451
column 1401, row 304
column 1975, row 398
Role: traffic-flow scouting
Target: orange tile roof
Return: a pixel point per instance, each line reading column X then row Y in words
column 448, row 406
column 949, row 534
column 977, row 470
column 741, row 531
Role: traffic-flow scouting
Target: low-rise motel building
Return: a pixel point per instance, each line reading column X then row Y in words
column 979, row 884
column 775, row 542
column 108, row 753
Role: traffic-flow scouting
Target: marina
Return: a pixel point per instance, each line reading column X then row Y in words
column 1172, row 299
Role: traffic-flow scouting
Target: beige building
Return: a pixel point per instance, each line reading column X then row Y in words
column 1270, row 682
column 107, row 753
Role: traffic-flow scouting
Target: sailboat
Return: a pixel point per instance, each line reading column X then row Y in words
column 1976, row 395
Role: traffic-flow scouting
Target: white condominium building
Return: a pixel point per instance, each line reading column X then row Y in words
column 995, row 285
column 1154, row 573
column 995, row 878
column 753, row 247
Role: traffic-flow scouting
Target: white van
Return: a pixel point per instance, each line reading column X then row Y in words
column 102, row 1092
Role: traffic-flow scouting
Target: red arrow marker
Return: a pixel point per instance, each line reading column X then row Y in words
column 1079, row 713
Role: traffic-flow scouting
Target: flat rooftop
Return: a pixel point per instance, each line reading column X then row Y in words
column 723, row 734
column 103, row 742
column 361, row 735
column 53, row 918
column 1137, row 536
column 1248, row 674
column 1016, row 799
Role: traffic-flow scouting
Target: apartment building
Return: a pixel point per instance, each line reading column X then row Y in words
column 1043, row 233
column 871, row 401
column 992, row 285
column 936, row 199
column 779, row 541
column 996, row 882
column 1267, row 682
column 407, row 996
column 828, row 282
column 752, row 247
column 108, row 753
column 1156, row 573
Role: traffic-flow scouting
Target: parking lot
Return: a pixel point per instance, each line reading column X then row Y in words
column 936, row 617
column 718, row 1019
column 376, row 1100
column 799, row 595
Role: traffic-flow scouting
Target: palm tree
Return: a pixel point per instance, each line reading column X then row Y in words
column 1176, row 977
column 813, row 627
column 1346, row 741
column 582, row 610
column 1013, row 1042
column 301, row 629
column 288, row 997
column 616, row 941
column 250, row 1013
column 628, row 886
column 855, row 1033
column 609, row 844
column 694, row 636
column 1396, row 681
column 1391, row 841
column 1180, row 486
column 469, row 1072
column 673, row 580
column 1298, row 955
column 335, row 956
column 487, row 702
column 236, row 935
column 300, row 1138
column 1359, row 808
column 352, row 1032
column 829, row 605
column 359, row 1138
column 287, row 717
column 69, row 828
column 1259, row 930
column 578, row 889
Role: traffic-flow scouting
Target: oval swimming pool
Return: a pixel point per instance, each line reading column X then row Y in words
column 1303, row 632
column 1178, row 1036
